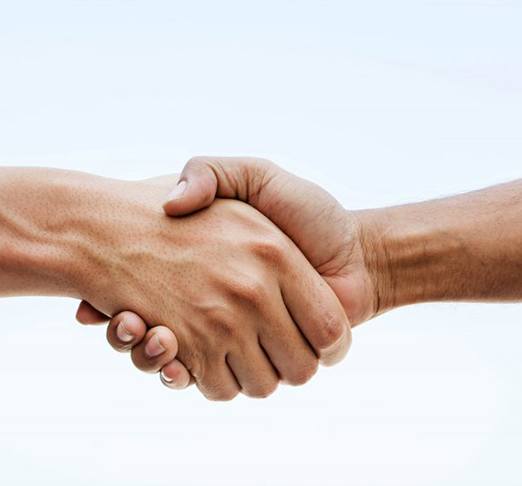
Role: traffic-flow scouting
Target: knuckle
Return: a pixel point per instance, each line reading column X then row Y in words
column 252, row 291
column 210, row 383
column 332, row 328
column 257, row 169
column 220, row 322
column 265, row 164
column 225, row 396
column 222, row 328
column 262, row 390
column 303, row 374
column 217, row 393
column 270, row 249
column 260, row 167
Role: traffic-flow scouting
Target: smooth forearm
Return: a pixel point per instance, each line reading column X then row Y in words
column 35, row 254
column 462, row 248
column 51, row 225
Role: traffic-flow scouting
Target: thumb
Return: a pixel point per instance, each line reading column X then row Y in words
column 195, row 190
column 205, row 178
column 297, row 206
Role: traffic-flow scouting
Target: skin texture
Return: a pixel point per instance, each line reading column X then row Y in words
column 246, row 306
column 463, row 248
column 302, row 210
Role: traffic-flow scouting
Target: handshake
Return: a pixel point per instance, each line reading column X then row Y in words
column 247, row 276
column 254, row 279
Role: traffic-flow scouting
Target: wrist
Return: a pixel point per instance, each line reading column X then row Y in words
column 415, row 253
column 68, row 233
column 376, row 259
column 116, row 221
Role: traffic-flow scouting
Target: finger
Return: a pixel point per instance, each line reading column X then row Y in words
column 87, row 314
column 204, row 178
column 175, row 375
column 254, row 372
column 218, row 383
column 125, row 330
column 196, row 189
column 294, row 205
column 317, row 311
column 282, row 342
column 158, row 347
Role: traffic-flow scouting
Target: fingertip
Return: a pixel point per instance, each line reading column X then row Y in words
column 195, row 190
column 173, row 207
column 196, row 196
column 123, row 333
column 166, row 338
column 175, row 375
column 126, row 330
column 156, row 349
column 130, row 319
column 86, row 314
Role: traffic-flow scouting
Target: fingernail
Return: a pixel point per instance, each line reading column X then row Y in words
column 123, row 334
column 178, row 191
column 166, row 378
column 154, row 347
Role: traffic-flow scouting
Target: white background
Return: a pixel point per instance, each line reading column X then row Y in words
column 381, row 103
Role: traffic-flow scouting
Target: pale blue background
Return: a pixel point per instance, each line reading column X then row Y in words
column 380, row 102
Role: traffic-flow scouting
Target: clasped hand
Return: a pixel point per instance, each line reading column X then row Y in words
column 234, row 295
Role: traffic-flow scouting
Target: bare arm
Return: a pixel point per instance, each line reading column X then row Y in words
column 41, row 232
column 465, row 248
column 247, row 307
column 462, row 248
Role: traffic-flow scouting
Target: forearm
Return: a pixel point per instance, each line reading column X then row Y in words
column 46, row 231
column 462, row 248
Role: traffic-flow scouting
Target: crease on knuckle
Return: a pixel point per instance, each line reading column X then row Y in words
column 258, row 173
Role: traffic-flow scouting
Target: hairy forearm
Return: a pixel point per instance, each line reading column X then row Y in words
column 462, row 248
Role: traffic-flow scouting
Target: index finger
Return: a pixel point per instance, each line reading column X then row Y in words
column 316, row 310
